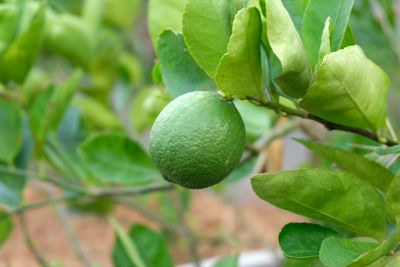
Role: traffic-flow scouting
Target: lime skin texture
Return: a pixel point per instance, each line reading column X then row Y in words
column 197, row 139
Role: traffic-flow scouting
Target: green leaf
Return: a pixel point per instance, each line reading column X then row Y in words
column 392, row 205
column 346, row 84
column 375, row 254
column 303, row 240
column 230, row 261
column 239, row 72
column 314, row 19
column 180, row 73
column 115, row 158
column 389, row 150
column 8, row 22
column 157, row 21
column 96, row 114
column 6, row 227
column 62, row 34
column 11, row 130
column 295, row 9
column 325, row 195
column 325, row 47
column 336, row 252
column 206, row 29
column 150, row 246
column 236, row 6
column 122, row 13
column 348, row 38
column 362, row 167
column 288, row 47
column 22, row 52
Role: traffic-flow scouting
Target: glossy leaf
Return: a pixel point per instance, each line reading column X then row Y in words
column 362, row 167
column 21, row 54
column 150, row 246
column 346, row 84
column 314, row 19
column 303, row 240
column 6, row 227
column 180, row 73
column 296, row 10
column 392, row 205
column 115, row 158
column 239, row 72
column 206, row 29
column 230, row 261
column 157, row 21
column 62, row 34
column 288, row 47
column 336, row 252
column 325, row 195
column 11, row 130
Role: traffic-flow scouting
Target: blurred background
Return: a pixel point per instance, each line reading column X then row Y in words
column 122, row 91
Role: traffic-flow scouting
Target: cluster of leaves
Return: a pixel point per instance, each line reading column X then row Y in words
column 302, row 52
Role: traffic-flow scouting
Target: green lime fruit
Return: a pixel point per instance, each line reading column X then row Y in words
column 197, row 139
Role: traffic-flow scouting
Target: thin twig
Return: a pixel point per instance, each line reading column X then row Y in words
column 328, row 125
column 29, row 241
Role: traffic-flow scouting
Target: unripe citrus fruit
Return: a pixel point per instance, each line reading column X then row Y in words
column 197, row 139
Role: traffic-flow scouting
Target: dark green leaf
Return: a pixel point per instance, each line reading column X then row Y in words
column 157, row 21
column 315, row 16
column 326, row 195
column 180, row 73
column 239, row 72
column 11, row 130
column 115, row 158
column 364, row 168
column 206, row 29
column 288, row 47
column 150, row 246
column 230, row 261
column 303, row 240
column 346, row 84
column 21, row 54
column 392, row 205
column 336, row 252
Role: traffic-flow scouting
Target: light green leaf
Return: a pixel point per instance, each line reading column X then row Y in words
column 156, row 16
column 376, row 253
column 236, row 6
column 11, row 130
column 336, row 252
column 365, row 169
column 346, row 84
column 392, row 205
column 8, row 22
column 180, row 73
column 325, row 195
column 303, row 240
column 314, row 19
column 150, row 246
column 122, row 13
column 325, row 47
column 96, row 114
column 230, row 261
column 62, row 34
column 115, row 158
column 6, row 227
column 239, row 72
column 288, row 47
column 21, row 54
column 206, row 29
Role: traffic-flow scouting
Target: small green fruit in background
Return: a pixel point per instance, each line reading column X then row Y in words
column 197, row 140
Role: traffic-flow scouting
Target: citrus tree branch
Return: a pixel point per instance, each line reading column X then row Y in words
column 328, row 125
